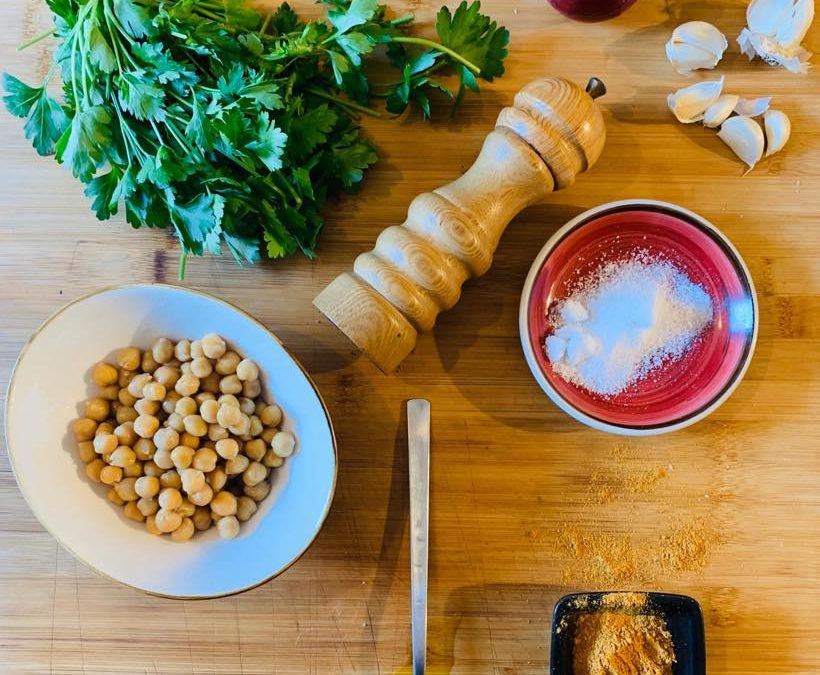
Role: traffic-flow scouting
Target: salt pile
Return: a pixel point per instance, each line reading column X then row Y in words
column 626, row 321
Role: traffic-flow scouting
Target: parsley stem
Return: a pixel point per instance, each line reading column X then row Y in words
column 37, row 38
column 439, row 48
column 265, row 24
column 401, row 20
column 344, row 102
column 183, row 260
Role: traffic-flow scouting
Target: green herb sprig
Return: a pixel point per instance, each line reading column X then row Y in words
column 231, row 126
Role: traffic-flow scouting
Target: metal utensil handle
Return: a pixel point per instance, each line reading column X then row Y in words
column 418, row 435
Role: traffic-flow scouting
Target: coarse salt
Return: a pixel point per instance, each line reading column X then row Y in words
column 627, row 320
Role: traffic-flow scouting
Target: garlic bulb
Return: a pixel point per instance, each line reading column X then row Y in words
column 717, row 113
column 775, row 30
column 778, row 129
column 690, row 103
column 694, row 45
column 745, row 137
column 752, row 107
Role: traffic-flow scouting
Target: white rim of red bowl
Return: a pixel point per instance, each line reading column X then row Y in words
column 529, row 349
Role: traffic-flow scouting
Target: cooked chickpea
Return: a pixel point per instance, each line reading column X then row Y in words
column 151, row 468
column 202, row 518
column 271, row 416
column 283, row 444
column 170, row 498
column 190, row 440
column 187, row 508
column 146, row 406
column 147, row 506
column 147, row 486
column 182, row 350
column 162, row 350
column 104, row 428
column 230, row 384
column 129, row 358
column 254, row 474
column 247, row 370
column 245, row 508
column 196, row 349
column 170, row 403
column 122, row 457
column 133, row 470
column 167, row 376
column 167, row 521
column 228, row 527
column 185, row 368
column 125, row 398
column 105, row 443
column 97, row 409
column 203, row 396
column 205, row 459
column 208, row 411
column 104, row 374
column 255, row 449
column 144, row 449
column 228, row 415
column 184, row 532
column 210, row 384
column 217, row 479
column 132, row 512
column 213, row 346
column 268, row 433
column 216, row 433
column 136, row 385
column 256, row 428
column 146, row 425
column 251, row 388
column 125, row 414
column 125, row 434
column 84, row 429
column 187, row 384
column 166, row 439
column 201, row 367
column 182, row 456
column 86, row 451
column 170, row 479
column 223, row 504
column 195, row 425
column 185, row 406
column 247, row 406
column 125, row 378
column 149, row 363
column 236, row 465
column 126, row 489
column 242, row 427
column 203, row 496
column 110, row 392
column 151, row 525
column 257, row 492
column 227, row 448
column 153, row 391
column 226, row 364
column 193, row 480
column 114, row 498
column 272, row 460
column 163, row 459
column 229, row 399
column 176, row 422
column 110, row 475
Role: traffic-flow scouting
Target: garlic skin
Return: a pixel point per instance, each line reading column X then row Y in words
column 745, row 137
column 695, row 45
column 775, row 30
column 717, row 113
column 690, row 103
column 778, row 129
column 752, row 107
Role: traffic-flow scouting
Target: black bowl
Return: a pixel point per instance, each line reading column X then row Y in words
column 681, row 613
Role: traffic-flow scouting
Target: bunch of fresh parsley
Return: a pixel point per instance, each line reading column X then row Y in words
column 232, row 126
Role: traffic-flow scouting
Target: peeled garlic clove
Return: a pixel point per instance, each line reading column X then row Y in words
column 694, row 45
column 766, row 16
column 778, row 129
column 793, row 29
column 689, row 104
column 745, row 137
column 752, row 107
column 717, row 113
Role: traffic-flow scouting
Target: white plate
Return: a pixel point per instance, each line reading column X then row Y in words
column 51, row 380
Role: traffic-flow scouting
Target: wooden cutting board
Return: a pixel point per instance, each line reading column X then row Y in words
column 526, row 504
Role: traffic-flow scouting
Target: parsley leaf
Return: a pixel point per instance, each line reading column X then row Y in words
column 357, row 13
column 269, row 144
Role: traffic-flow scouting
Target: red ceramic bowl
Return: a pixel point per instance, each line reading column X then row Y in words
column 679, row 392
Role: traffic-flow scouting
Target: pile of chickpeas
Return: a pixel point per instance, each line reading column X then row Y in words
column 183, row 437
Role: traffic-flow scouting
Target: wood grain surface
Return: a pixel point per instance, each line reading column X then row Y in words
column 511, row 475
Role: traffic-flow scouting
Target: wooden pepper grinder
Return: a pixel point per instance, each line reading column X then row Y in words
column 553, row 132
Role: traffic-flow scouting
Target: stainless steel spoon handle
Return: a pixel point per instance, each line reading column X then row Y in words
column 418, row 437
